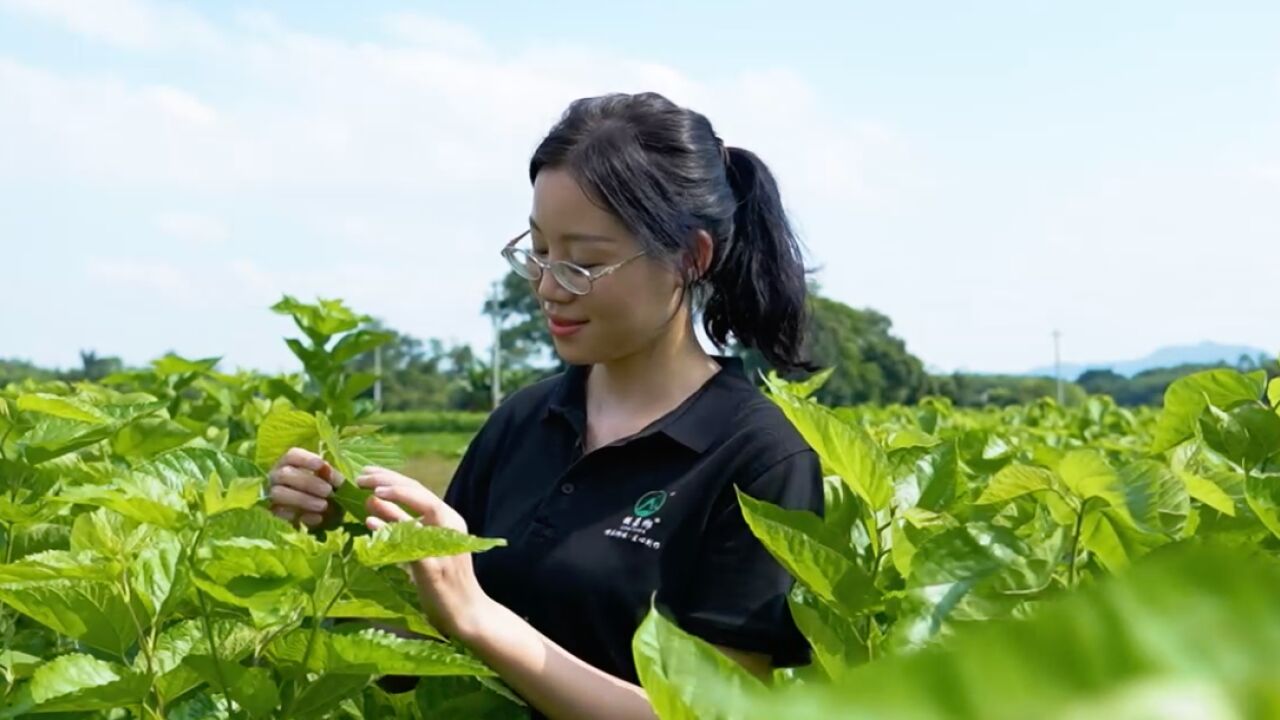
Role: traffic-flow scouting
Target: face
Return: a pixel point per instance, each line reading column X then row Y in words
column 626, row 310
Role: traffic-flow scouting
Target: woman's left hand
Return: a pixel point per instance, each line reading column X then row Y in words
column 447, row 588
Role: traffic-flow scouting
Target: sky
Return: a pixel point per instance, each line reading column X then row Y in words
column 983, row 175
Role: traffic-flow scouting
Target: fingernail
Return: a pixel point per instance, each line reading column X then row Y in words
column 382, row 491
column 318, row 505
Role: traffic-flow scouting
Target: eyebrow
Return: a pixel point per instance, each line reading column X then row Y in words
column 570, row 237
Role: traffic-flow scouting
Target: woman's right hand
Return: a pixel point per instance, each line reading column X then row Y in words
column 301, row 485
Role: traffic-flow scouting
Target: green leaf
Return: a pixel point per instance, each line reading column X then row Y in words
column 800, row 542
column 67, row 408
column 155, row 573
column 837, row 645
column 403, row 542
column 1187, row 397
column 103, row 531
column 1273, row 393
column 1087, row 474
column 95, row 613
column 465, row 697
column 372, row 652
column 172, row 364
column 141, row 497
column 320, row 320
column 846, row 448
column 148, row 436
column 282, row 429
column 1155, row 499
column 1188, row 634
column 349, row 496
column 1014, row 481
column 243, row 493
column 326, row 692
column 1262, row 492
column 181, row 467
column 359, row 343
column 688, row 679
column 933, row 481
column 78, row 683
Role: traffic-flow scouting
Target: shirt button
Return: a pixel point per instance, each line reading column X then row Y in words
column 567, row 488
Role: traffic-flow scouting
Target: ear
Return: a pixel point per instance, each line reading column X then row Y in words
column 703, row 252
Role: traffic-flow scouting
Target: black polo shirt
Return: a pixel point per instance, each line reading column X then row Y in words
column 590, row 538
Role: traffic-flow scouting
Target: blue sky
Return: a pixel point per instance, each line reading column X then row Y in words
column 982, row 175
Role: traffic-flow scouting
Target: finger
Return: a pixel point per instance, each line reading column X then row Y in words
column 385, row 510
column 303, row 481
column 374, row 523
column 300, row 457
column 287, row 496
column 413, row 497
column 284, row 513
column 311, row 519
column 330, row 475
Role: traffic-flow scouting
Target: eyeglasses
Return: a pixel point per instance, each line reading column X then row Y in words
column 574, row 278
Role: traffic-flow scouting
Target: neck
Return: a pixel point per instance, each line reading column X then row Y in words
column 659, row 376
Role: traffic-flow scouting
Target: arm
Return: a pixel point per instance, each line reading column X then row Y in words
column 555, row 681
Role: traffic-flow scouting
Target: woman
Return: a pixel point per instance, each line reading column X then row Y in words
column 614, row 482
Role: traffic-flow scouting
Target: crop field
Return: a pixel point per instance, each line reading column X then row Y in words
column 1026, row 561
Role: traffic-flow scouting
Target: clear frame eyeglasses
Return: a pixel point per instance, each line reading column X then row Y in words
column 574, row 278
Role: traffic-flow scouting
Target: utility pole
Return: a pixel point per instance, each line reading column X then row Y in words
column 1057, row 363
column 496, row 382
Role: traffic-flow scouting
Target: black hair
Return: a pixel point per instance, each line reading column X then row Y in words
column 663, row 171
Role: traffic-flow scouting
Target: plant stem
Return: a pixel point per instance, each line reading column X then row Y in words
column 1075, row 546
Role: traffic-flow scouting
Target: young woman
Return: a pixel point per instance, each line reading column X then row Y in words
column 614, row 482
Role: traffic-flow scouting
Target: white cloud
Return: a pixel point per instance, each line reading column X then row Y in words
column 129, row 24
column 192, row 228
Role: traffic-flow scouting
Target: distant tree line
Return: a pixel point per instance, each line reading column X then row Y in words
column 871, row 364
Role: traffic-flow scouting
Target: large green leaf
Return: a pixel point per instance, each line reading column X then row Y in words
column 147, row 436
column 284, row 428
column 182, row 467
column 77, row 683
column 1187, row 397
column 402, row 542
column 67, row 408
column 141, row 497
column 95, row 613
column 349, row 496
column 1185, row 635
column 1262, row 492
column 837, row 644
column 844, row 447
column 465, row 697
column 1014, row 481
column 803, row 545
column 371, row 652
column 688, row 679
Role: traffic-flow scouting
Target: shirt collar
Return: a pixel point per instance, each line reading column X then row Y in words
column 695, row 423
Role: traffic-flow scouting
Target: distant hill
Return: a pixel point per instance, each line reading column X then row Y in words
column 1200, row 354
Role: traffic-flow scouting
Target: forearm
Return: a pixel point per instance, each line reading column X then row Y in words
column 547, row 676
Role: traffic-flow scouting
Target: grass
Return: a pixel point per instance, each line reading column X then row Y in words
column 432, row 458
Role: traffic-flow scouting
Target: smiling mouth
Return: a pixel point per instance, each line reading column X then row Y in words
column 562, row 328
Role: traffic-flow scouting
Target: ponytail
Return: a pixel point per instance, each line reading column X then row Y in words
column 757, row 290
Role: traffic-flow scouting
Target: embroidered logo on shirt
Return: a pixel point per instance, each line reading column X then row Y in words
column 650, row 503
column 635, row 528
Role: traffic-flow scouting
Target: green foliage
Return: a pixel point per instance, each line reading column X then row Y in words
column 964, row 565
column 140, row 572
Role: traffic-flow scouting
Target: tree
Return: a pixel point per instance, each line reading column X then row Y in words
column 871, row 364
column 526, row 339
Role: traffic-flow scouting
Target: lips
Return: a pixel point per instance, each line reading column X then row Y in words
column 561, row 327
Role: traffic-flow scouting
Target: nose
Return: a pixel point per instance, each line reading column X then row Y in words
column 549, row 290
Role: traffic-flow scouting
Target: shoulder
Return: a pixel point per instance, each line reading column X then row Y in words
column 756, row 431
column 521, row 406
